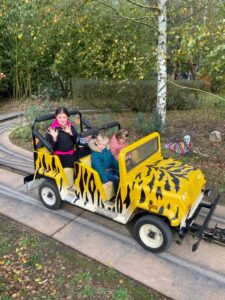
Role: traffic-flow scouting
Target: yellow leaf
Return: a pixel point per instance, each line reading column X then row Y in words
column 38, row 267
column 2, row 262
column 20, row 35
column 121, row 281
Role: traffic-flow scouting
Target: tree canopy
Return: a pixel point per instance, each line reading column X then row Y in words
column 84, row 39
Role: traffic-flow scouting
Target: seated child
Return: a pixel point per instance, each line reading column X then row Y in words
column 62, row 135
column 103, row 161
column 65, row 140
column 118, row 142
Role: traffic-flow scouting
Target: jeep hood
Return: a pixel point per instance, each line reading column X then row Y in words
column 169, row 175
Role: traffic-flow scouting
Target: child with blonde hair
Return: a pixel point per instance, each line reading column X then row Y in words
column 118, row 142
column 103, row 161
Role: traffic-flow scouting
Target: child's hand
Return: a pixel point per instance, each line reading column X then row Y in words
column 68, row 130
column 53, row 132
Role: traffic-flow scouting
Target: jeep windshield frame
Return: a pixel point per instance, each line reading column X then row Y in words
column 141, row 153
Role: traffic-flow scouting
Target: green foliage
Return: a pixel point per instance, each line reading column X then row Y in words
column 71, row 38
column 47, row 46
column 112, row 273
column 86, row 277
column 179, row 98
column 60, row 280
column 196, row 39
column 35, row 110
column 148, row 123
column 121, row 294
column 22, row 132
column 101, row 291
column 87, row 291
column 138, row 95
column 30, row 241
column 33, row 259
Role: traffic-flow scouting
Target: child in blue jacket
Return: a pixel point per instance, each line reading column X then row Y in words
column 103, row 161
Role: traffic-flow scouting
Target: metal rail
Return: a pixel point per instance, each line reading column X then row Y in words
column 10, row 116
column 13, row 169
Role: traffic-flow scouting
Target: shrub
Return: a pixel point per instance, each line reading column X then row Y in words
column 183, row 99
column 22, row 132
column 138, row 95
column 147, row 123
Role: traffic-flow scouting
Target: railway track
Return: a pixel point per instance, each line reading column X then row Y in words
column 190, row 276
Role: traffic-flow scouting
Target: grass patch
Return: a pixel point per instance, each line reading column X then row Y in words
column 33, row 266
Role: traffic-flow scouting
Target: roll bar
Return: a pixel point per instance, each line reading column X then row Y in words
column 52, row 116
column 95, row 130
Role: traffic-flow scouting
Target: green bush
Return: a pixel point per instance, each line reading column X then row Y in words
column 147, row 123
column 138, row 95
column 183, row 99
column 22, row 132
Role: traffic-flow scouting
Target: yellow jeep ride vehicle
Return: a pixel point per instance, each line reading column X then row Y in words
column 159, row 194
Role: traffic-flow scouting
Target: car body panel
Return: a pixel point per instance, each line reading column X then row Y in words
column 164, row 187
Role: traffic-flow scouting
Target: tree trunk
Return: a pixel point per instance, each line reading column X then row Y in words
column 162, row 72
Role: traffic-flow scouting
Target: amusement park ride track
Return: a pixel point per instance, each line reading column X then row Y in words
column 22, row 165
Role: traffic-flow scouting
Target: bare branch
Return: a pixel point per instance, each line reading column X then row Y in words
column 125, row 17
column 190, row 16
column 144, row 17
column 194, row 89
column 180, row 6
column 144, row 6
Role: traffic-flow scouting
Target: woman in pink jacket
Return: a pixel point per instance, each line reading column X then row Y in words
column 118, row 142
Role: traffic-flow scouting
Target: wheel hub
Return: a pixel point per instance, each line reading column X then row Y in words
column 151, row 236
column 48, row 196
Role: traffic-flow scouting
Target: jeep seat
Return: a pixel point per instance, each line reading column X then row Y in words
column 109, row 189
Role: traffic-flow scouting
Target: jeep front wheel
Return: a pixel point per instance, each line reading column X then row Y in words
column 153, row 234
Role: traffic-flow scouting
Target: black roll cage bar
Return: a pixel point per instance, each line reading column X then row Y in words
column 91, row 130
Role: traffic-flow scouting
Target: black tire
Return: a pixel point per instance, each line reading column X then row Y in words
column 156, row 237
column 49, row 195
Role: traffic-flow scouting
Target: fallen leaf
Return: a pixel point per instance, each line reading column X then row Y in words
column 38, row 266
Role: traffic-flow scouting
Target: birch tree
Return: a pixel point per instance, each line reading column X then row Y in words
column 162, row 67
column 160, row 8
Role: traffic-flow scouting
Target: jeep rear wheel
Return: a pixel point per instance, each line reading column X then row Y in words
column 49, row 195
column 153, row 234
